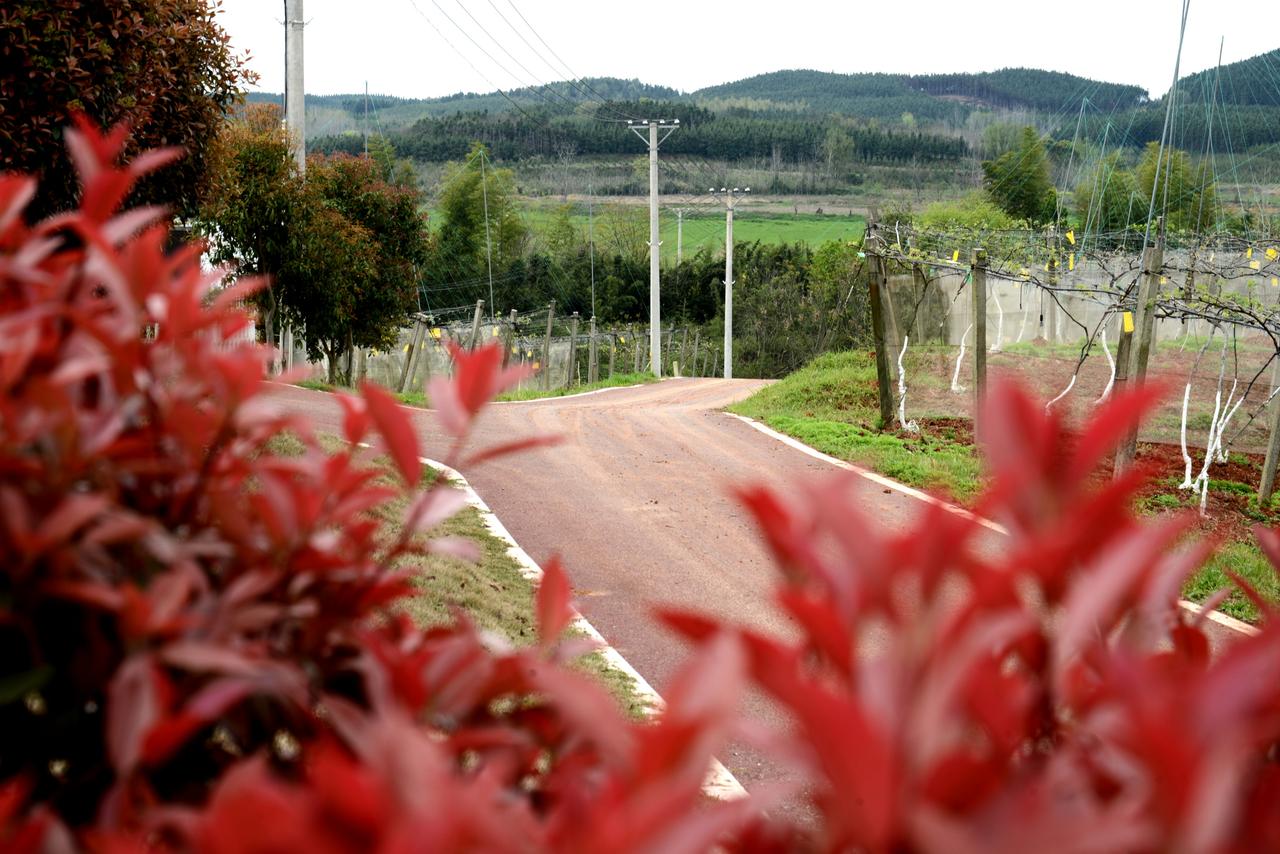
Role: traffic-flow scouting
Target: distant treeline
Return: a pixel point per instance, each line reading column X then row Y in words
column 514, row 136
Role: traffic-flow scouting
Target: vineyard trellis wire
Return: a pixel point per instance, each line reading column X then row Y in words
column 1224, row 288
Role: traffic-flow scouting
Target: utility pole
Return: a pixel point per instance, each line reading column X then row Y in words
column 295, row 107
column 488, row 247
column 728, row 274
column 366, row 118
column 591, row 243
column 294, row 88
column 655, row 307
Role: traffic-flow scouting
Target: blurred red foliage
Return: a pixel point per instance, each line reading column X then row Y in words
column 196, row 651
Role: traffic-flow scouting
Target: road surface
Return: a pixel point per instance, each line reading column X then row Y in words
column 637, row 502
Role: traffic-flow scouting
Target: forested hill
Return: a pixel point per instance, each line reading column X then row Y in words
column 1245, row 112
column 1252, row 82
column 936, row 97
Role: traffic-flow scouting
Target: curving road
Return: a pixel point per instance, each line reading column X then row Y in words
column 636, row 500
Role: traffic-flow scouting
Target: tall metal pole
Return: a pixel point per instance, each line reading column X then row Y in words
column 728, row 276
column 294, row 88
column 488, row 247
column 591, row 243
column 728, row 287
column 655, row 302
column 655, row 307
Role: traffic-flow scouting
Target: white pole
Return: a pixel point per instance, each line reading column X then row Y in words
column 728, row 288
column 488, row 247
column 294, row 88
column 655, row 308
column 679, row 235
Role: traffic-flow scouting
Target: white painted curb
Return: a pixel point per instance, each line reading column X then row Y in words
column 720, row 782
column 1213, row 616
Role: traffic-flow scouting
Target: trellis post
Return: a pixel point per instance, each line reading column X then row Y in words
column 414, row 342
column 877, row 287
column 1266, row 487
column 546, row 347
column 573, row 350
column 978, row 274
column 475, row 325
column 509, row 340
column 1050, row 297
column 1144, row 322
column 593, row 370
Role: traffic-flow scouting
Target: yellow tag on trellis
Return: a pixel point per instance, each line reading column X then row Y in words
column 955, row 255
column 1248, row 253
column 1046, row 266
column 1163, row 280
column 1272, row 253
column 495, row 332
column 1071, row 238
column 406, row 348
column 1255, row 265
column 1275, row 282
column 435, row 332
column 537, row 365
column 1026, row 274
column 1071, row 261
column 515, row 349
column 1211, row 254
column 622, row 339
column 1128, row 321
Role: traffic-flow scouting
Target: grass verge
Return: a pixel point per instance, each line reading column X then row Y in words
column 831, row 404
column 418, row 398
column 493, row 591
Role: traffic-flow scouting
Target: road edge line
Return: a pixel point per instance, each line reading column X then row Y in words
column 720, row 782
column 1214, row 615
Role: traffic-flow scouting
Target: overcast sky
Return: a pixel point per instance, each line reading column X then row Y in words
column 689, row 44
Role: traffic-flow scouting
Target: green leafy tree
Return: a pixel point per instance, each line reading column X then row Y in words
column 342, row 248
column 253, row 213
column 461, row 251
column 1106, row 199
column 974, row 212
column 365, row 240
column 164, row 66
column 1186, row 194
column 1018, row 180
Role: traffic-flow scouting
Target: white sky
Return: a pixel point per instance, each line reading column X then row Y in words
column 689, row 44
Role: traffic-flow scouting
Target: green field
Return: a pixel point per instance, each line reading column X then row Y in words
column 704, row 229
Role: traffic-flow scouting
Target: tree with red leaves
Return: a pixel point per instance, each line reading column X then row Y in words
column 199, row 648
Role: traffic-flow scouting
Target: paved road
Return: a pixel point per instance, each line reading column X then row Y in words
column 636, row 500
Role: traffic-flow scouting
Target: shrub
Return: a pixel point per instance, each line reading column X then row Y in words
column 196, row 651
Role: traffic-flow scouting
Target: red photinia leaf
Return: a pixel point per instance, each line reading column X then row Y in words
column 555, row 610
column 397, row 431
column 136, row 703
column 515, row 447
column 355, row 417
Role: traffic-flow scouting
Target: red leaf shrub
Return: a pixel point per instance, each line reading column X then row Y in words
column 196, row 649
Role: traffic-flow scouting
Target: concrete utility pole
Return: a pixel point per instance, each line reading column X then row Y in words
column 728, row 274
column 679, row 235
column 655, row 307
column 294, row 88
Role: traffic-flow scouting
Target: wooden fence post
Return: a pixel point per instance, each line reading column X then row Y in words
column 697, row 335
column 1266, row 487
column 546, row 348
column 475, row 325
column 978, row 273
column 508, row 340
column 1144, row 323
column 593, row 370
column 414, row 342
column 613, row 350
column 878, row 285
column 573, row 350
